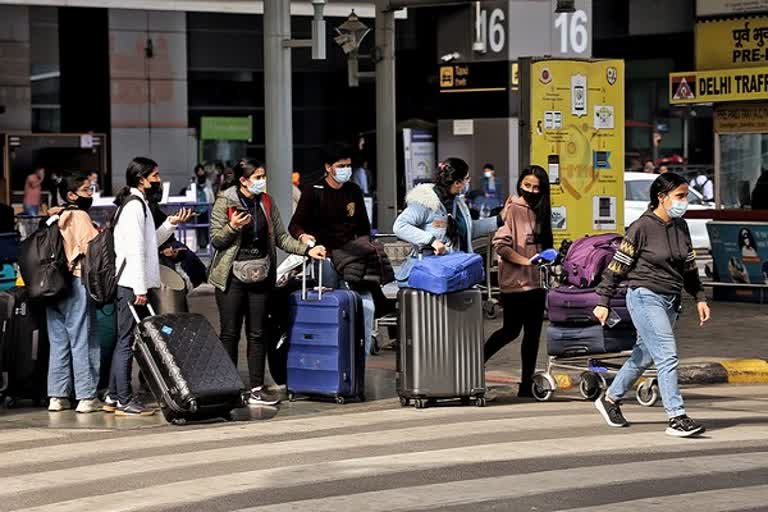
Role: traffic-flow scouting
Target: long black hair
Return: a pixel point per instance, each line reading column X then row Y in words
column 448, row 172
column 663, row 185
column 140, row 167
column 542, row 210
column 245, row 169
column 71, row 182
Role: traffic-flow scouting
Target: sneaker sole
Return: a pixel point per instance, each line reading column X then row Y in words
column 126, row 414
column 601, row 409
column 109, row 408
column 679, row 433
column 262, row 402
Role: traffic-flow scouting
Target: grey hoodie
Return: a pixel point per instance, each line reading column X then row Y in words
column 655, row 255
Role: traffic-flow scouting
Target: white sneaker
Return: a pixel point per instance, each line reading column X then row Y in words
column 90, row 405
column 59, row 404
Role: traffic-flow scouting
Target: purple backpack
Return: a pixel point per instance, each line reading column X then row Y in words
column 588, row 257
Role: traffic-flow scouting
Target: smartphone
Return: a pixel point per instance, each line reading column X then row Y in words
column 236, row 209
column 613, row 319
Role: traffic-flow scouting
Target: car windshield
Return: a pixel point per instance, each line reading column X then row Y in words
column 640, row 190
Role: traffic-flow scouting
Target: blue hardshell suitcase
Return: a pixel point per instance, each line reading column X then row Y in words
column 326, row 351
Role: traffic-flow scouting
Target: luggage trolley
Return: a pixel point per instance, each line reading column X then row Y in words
column 593, row 367
column 397, row 252
column 491, row 293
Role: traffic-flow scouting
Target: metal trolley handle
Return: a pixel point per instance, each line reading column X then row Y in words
column 319, row 288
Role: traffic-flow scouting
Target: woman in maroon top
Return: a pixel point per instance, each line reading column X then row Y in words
column 527, row 231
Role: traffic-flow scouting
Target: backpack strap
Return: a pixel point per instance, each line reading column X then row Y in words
column 130, row 198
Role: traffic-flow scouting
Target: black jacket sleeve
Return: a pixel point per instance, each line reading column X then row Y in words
column 623, row 261
column 302, row 220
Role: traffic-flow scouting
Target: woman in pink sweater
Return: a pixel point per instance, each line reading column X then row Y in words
column 527, row 230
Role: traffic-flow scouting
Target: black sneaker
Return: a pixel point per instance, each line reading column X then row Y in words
column 261, row 396
column 133, row 408
column 683, row 426
column 525, row 390
column 611, row 412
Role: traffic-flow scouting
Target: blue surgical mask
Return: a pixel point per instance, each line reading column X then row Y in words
column 343, row 174
column 465, row 190
column 257, row 187
column 677, row 209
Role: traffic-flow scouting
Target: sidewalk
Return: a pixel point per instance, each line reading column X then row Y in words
column 731, row 348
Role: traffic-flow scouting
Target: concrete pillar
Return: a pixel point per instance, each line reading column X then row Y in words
column 15, row 87
column 278, row 104
column 148, row 97
column 386, row 119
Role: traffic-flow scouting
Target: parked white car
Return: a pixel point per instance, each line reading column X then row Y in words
column 637, row 188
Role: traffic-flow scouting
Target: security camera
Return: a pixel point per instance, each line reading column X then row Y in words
column 450, row 57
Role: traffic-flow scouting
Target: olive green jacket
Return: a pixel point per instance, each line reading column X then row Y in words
column 226, row 241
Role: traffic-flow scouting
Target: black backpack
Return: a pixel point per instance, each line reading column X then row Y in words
column 99, row 269
column 43, row 263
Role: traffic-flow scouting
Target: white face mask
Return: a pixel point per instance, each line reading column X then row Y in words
column 257, row 187
column 343, row 174
column 488, row 174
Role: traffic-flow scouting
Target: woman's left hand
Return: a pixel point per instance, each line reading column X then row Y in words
column 704, row 312
column 317, row 252
column 181, row 217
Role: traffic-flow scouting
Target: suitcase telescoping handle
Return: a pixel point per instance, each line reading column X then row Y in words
column 319, row 288
column 136, row 315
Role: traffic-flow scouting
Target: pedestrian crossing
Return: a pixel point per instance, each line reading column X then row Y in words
column 509, row 456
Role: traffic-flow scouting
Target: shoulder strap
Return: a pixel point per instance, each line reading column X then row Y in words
column 266, row 200
column 128, row 200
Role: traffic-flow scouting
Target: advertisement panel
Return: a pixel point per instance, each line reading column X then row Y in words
column 577, row 135
column 740, row 251
column 419, row 156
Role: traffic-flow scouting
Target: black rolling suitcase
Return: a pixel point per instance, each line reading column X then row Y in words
column 23, row 348
column 189, row 372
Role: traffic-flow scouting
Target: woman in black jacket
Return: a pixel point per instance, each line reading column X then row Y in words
column 657, row 260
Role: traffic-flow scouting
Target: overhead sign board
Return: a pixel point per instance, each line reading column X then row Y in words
column 721, row 7
column 743, row 84
column 726, row 44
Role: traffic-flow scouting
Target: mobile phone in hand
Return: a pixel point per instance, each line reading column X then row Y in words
column 613, row 319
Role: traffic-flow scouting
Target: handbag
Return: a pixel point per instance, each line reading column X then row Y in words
column 252, row 271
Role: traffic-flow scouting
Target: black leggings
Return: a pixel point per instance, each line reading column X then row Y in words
column 522, row 311
column 245, row 302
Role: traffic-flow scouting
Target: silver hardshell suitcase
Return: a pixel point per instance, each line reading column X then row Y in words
column 441, row 347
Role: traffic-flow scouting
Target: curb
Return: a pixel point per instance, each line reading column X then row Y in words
column 733, row 371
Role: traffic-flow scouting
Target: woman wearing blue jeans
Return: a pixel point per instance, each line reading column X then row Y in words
column 657, row 260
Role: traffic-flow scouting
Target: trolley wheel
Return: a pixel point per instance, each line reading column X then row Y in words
column 591, row 386
column 179, row 422
column 543, row 387
column 404, row 402
column 480, row 402
column 340, row 400
column 647, row 393
column 193, row 406
column 291, row 397
column 491, row 309
column 420, row 403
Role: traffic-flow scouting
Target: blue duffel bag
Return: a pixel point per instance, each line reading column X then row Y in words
column 449, row 273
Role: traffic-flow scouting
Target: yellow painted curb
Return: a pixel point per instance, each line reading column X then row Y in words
column 746, row 371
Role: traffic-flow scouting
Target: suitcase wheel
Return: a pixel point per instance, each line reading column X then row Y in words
column 340, row 400
column 480, row 402
column 404, row 402
column 9, row 402
column 421, row 403
column 179, row 421
column 291, row 397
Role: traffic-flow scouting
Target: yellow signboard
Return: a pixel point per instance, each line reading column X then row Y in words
column 741, row 118
column 728, row 44
column 577, row 135
column 719, row 85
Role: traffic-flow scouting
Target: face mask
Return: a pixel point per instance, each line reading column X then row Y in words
column 201, row 180
column 257, row 187
column 154, row 193
column 532, row 198
column 83, row 203
column 488, row 174
column 465, row 189
column 677, row 209
column 343, row 174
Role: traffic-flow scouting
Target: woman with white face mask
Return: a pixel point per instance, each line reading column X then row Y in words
column 656, row 259
column 246, row 229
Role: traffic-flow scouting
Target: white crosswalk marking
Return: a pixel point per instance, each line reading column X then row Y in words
column 396, row 459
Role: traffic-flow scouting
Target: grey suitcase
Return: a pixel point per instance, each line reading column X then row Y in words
column 440, row 354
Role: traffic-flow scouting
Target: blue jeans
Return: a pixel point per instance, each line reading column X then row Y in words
column 654, row 316
column 31, row 210
column 331, row 279
column 75, row 353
